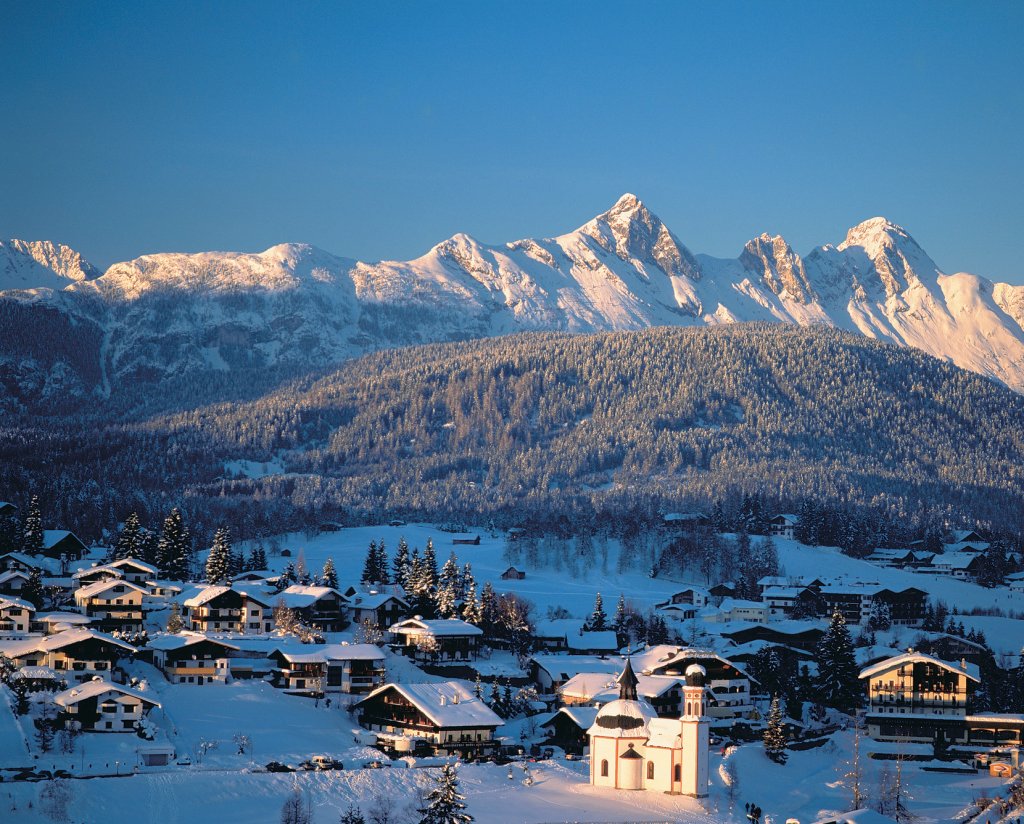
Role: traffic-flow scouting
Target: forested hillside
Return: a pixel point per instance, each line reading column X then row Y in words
column 563, row 429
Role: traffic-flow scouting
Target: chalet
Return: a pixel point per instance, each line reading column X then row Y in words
column 786, row 601
column 568, row 727
column 321, row 607
column 113, row 604
column 436, row 640
column 77, row 654
column 134, row 570
column 466, row 540
column 513, row 574
column 63, row 545
column 915, row 697
column 965, row 540
column 962, row 565
column 223, row 609
column 728, row 686
column 21, row 561
column 568, row 634
column 445, row 715
column 330, row 668
column 1015, row 581
column 723, row 590
column 895, row 558
column 737, row 609
column 7, row 509
column 255, row 576
column 376, row 606
column 686, row 521
column 693, row 596
column 15, row 616
column 12, row 581
column 93, row 574
column 100, row 706
column 192, row 658
column 782, row 525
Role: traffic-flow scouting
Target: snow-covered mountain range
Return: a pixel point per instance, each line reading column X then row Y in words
column 296, row 306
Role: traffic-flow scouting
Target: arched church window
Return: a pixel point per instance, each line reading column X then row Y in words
column 650, row 770
column 604, row 767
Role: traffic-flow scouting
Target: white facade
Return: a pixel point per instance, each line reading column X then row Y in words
column 632, row 749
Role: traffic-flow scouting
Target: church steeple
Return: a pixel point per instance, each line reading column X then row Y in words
column 627, row 683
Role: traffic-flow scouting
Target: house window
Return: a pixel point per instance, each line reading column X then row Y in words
column 650, row 770
column 604, row 767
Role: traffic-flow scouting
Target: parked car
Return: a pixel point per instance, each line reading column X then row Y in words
column 184, row 761
column 277, row 766
column 322, row 762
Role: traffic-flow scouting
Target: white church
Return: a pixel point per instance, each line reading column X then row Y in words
column 631, row 748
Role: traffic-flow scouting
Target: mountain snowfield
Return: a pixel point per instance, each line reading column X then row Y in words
column 296, row 306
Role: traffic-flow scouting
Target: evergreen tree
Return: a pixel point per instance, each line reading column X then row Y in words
column 429, row 571
column 401, row 565
column 219, row 559
column 445, row 802
column 129, row 542
column 258, row 558
column 619, row 623
column 174, row 622
column 149, row 546
column 467, row 580
column 371, row 573
column 488, row 608
column 32, row 536
column 598, row 621
column 472, row 609
column 286, row 578
column 302, row 575
column 174, row 549
column 478, row 687
column 236, row 564
column 448, row 588
column 382, row 563
column 330, row 574
column 32, row 591
column 837, row 684
column 775, row 735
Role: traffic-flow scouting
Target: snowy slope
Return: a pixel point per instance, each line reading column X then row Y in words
column 297, row 306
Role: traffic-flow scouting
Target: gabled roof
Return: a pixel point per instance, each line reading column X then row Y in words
column 51, row 643
column 96, row 688
column 52, row 537
column 105, row 569
column 170, row 643
column 11, row 574
column 970, row 670
column 134, row 562
column 8, row 601
column 27, row 560
column 583, row 717
column 205, row 595
column 374, row 600
column 446, row 704
column 298, row 596
column 322, row 653
column 102, row 586
column 438, row 626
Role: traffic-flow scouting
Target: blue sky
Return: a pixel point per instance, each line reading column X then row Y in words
column 378, row 129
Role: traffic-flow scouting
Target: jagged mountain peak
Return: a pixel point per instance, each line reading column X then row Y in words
column 876, row 233
column 772, row 259
column 633, row 232
column 33, row 264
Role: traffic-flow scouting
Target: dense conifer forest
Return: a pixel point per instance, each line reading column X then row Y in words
column 558, row 430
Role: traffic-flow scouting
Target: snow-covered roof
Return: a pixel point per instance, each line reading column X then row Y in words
column 787, row 517
column 623, row 718
column 52, row 537
column 606, row 640
column 27, row 560
column 564, row 667
column 664, row 732
column 205, row 595
column 96, row 688
column 955, row 560
column 586, row 685
column 647, row 686
column 104, row 569
column 299, row 597
column 322, row 653
column 970, row 670
column 134, row 562
column 558, row 627
column 100, row 587
column 9, row 601
column 63, row 618
column 173, row 642
column 864, row 816
column 582, row 716
column 50, row 643
column 437, row 626
column 11, row 574
column 446, row 704
column 375, row 600
column 729, row 604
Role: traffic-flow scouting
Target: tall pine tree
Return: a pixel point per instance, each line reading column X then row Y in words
column 371, row 572
column 330, row 574
column 129, row 542
column 174, row 550
column 219, row 560
column 598, row 621
column 401, row 565
column 775, row 735
column 32, row 536
column 838, row 684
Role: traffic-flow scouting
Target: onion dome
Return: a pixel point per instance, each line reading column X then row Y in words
column 695, row 675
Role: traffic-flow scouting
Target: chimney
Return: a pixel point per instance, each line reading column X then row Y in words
column 455, row 698
column 963, row 664
column 444, row 699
